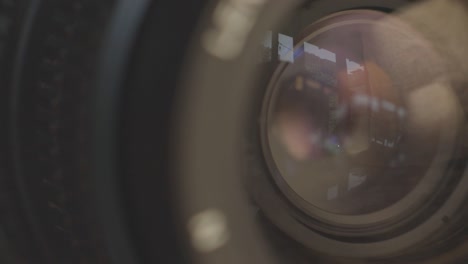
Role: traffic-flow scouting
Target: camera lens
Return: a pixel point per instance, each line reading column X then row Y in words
column 233, row 131
column 351, row 155
column 336, row 131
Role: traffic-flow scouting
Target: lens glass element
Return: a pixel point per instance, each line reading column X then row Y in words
column 339, row 132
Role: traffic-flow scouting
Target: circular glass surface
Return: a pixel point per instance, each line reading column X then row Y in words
column 339, row 130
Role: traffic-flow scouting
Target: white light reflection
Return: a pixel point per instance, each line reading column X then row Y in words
column 352, row 66
column 375, row 104
column 285, row 48
column 321, row 53
column 360, row 100
column 356, row 178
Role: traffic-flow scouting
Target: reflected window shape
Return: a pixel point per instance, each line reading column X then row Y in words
column 321, row 53
column 285, row 48
column 356, row 178
column 352, row 66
